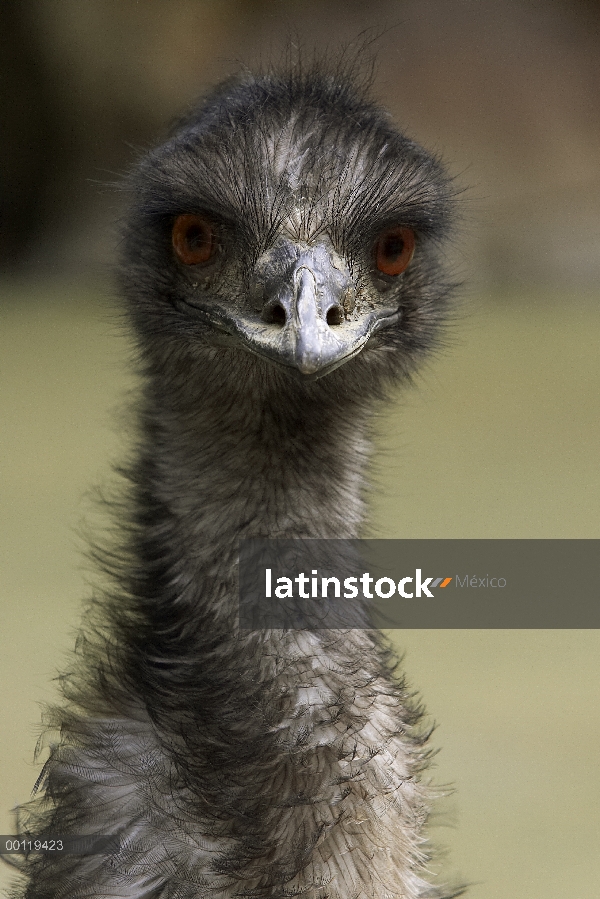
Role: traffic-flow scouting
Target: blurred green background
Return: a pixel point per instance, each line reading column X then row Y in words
column 498, row 437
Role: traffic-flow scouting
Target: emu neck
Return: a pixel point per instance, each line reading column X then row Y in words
column 250, row 461
column 229, row 462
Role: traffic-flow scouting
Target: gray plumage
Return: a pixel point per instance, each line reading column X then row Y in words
column 256, row 274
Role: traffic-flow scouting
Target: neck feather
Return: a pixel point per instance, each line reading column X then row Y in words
column 258, row 462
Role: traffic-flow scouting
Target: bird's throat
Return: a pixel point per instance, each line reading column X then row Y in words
column 262, row 465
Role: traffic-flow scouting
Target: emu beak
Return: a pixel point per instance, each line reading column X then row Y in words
column 306, row 315
column 311, row 342
column 310, row 322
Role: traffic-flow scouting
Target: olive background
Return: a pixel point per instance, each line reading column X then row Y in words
column 497, row 438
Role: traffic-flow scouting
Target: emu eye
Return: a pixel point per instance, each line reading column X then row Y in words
column 394, row 250
column 193, row 239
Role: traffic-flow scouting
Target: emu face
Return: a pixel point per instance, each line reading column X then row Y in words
column 287, row 219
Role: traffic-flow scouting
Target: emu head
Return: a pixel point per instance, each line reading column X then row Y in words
column 288, row 226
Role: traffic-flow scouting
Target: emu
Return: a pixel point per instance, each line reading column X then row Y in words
column 281, row 272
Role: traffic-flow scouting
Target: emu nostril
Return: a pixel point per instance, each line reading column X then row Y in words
column 275, row 315
column 335, row 316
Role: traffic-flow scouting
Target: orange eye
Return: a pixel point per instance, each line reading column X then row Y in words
column 193, row 239
column 394, row 250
